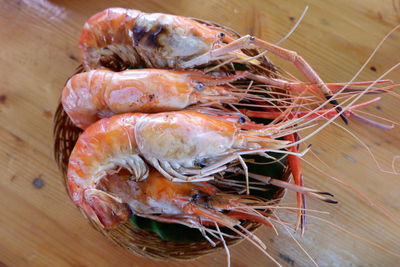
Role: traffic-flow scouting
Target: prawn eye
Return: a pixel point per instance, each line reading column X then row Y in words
column 221, row 35
column 242, row 120
column 201, row 163
column 195, row 197
column 199, row 86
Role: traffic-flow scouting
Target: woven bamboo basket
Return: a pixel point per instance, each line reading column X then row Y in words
column 146, row 243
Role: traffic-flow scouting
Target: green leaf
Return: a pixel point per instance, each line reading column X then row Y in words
column 167, row 231
column 238, row 66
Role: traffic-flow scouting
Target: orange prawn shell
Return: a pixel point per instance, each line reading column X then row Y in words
column 107, row 26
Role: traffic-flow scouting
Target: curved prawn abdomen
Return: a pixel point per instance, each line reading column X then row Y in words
column 103, row 148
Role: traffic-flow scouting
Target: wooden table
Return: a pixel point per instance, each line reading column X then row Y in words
column 41, row 227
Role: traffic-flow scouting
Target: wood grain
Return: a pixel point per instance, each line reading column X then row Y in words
column 41, row 227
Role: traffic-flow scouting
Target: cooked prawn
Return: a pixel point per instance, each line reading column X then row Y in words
column 166, row 201
column 96, row 94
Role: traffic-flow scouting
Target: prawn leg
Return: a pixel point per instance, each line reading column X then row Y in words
column 300, row 87
column 247, row 41
column 203, row 174
column 320, row 114
column 321, row 195
column 134, row 164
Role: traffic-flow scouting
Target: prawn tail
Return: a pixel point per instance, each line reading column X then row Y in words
column 104, row 208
